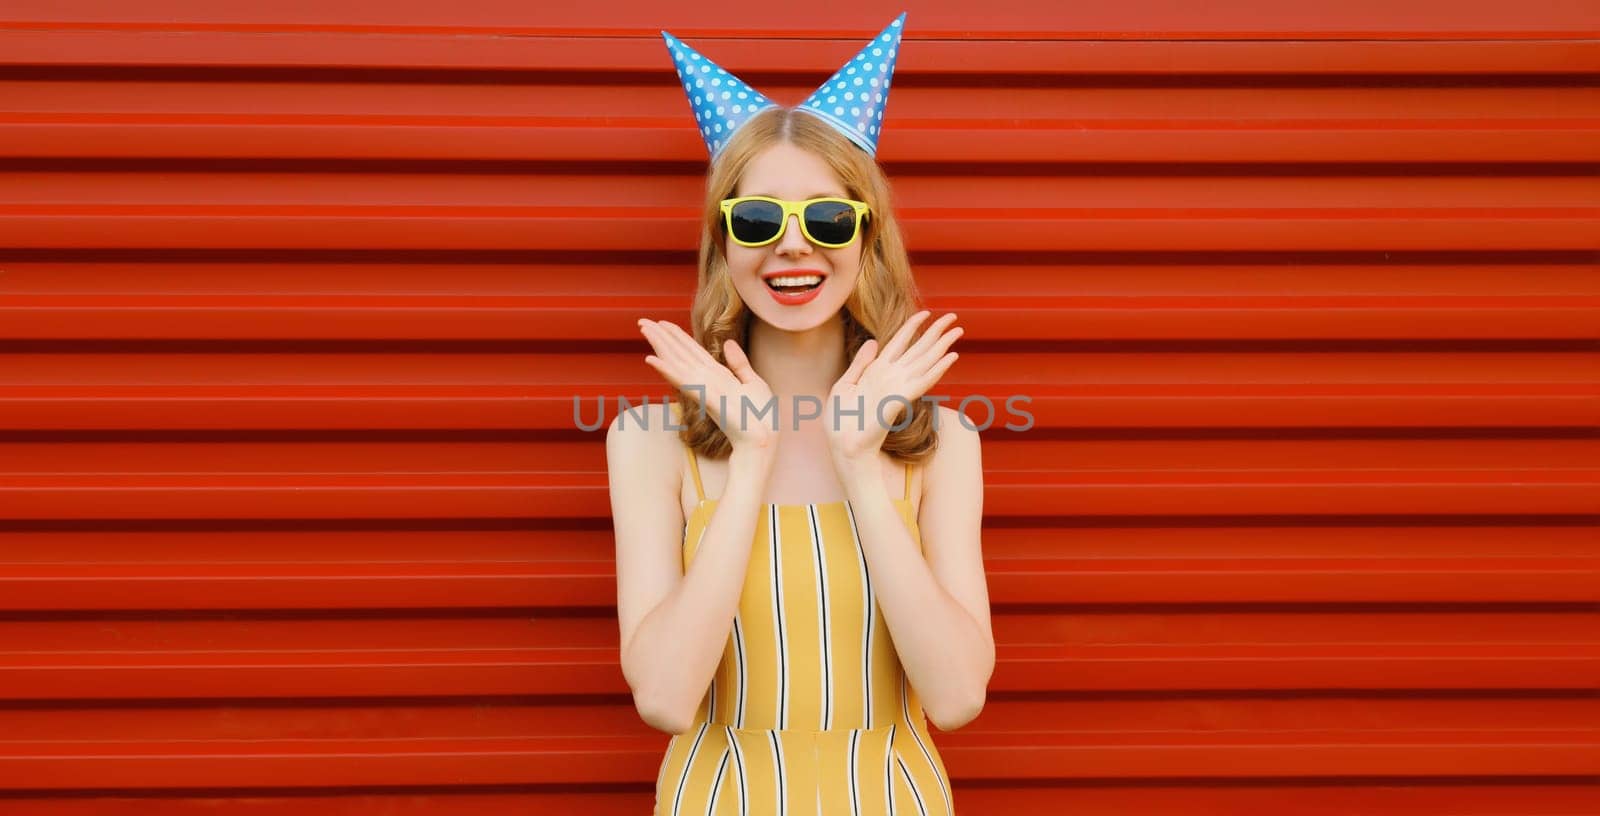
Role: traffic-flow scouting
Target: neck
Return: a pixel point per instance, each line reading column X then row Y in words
column 798, row 363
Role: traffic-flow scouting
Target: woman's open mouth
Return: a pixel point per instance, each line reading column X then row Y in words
column 794, row 284
column 793, row 290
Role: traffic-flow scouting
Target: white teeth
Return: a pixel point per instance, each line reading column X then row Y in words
column 799, row 280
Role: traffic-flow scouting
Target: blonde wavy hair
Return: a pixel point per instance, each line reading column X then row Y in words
column 885, row 295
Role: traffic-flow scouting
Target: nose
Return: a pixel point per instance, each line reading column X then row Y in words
column 793, row 240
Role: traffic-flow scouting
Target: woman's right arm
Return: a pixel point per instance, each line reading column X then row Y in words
column 675, row 625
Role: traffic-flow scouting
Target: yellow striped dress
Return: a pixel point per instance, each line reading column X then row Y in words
column 809, row 710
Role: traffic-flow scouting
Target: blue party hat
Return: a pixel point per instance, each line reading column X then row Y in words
column 721, row 101
column 853, row 99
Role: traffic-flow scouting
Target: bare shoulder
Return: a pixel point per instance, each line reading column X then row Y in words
column 958, row 441
column 956, row 466
column 643, row 458
column 642, row 430
column 647, row 437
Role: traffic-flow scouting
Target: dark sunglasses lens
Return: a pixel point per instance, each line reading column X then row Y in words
column 831, row 222
column 756, row 221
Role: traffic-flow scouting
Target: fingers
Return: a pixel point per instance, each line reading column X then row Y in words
column 738, row 363
column 665, row 360
column 687, row 358
column 937, row 371
column 692, row 352
column 657, row 339
column 676, row 362
column 864, row 357
column 688, row 365
column 934, row 335
column 897, row 344
column 933, row 344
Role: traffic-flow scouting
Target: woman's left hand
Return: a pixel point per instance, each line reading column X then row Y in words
column 875, row 378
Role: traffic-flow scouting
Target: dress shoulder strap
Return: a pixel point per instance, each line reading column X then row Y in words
column 694, row 468
column 694, row 463
column 908, row 481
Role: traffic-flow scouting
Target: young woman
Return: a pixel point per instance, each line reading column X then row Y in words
column 798, row 589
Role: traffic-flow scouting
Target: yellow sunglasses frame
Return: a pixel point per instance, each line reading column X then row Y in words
column 798, row 208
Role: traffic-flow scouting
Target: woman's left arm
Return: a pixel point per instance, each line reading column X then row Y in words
column 936, row 602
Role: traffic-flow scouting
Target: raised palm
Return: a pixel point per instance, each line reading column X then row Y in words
column 688, row 366
column 894, row 376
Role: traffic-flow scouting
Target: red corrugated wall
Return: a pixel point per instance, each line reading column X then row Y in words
column 295, row 298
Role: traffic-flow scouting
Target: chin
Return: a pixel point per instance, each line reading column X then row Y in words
column 799, row 319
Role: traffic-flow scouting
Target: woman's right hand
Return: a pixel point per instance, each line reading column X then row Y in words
column 684, row 362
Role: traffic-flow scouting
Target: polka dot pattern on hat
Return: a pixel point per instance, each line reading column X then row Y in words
column 712, row 93
column 853, row 99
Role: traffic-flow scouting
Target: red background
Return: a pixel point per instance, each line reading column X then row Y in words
column 294, row 299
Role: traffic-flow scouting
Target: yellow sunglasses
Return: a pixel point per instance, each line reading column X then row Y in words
column 755, row 221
